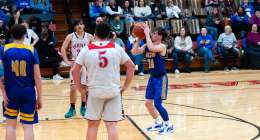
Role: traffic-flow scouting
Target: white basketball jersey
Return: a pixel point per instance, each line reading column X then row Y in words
column 77, row 43
column 102, row 61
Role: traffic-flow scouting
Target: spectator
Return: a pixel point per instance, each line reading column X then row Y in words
column 15, row 19
column 113, row 8
column 214, row 23
column 2, row 40
column 35, row 24
column 183, row 50
column 257, row 5
column 48, row 56
column 240, row 22
column 253, row 38
column 137, row 59
column 41, row 5
column 4, row 31
column 45, row 29
column 117, row 40
column 128, row 12
column 142, row 12
column 209, row 4
column 248, row 8
column 256, row 18
column 97, row 9
column 172, row 11
column 117, row 26
column 158, row 10
column 30, row 36
column 227, row 42
column 104, row 17
column 205, row 45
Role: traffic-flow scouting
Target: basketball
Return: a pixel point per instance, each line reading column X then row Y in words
column 138, row 30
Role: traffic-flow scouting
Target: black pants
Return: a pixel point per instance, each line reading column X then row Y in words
column 234, row 55
column 50, row 62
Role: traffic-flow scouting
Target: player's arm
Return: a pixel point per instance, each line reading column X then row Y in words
column 64, row 49
column 137, row 49
column 76, row 70
column 130, row 69
column 38, row 84
column 150, row 45
column 35, row 38
column 2, row 87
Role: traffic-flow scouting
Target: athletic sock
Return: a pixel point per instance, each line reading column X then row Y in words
column 168, row 123
column 157, row 120
column 72, row 105
column 83, row 104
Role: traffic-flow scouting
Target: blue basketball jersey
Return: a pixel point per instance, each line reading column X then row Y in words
column 156, row 63
column 18, row 61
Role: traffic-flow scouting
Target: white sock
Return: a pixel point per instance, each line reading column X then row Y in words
column 157, row 120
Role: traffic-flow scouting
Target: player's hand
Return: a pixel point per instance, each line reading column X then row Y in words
column 146, row 29
column 39, row 103
column 6, row 100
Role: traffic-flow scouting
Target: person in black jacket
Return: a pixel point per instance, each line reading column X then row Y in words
column 158, row 10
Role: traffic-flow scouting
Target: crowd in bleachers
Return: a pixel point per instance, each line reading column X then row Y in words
column 218, row 28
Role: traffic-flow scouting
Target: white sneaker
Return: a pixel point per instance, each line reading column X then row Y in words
column 155, row 127
column 141, row 74
column 57, row 77
column 136, row 67
column 176, row 71
column 166, row 129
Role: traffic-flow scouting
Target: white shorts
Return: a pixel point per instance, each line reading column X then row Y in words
column 83, row 77
column 107, row 109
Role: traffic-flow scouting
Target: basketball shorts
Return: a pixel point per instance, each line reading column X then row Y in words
column 157, row 88
column 83, row 77
column 107, row 109
column 22, row 102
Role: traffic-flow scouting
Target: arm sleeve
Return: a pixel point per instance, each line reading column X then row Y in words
column 34, row 35
column 36, row 57
column 136, row 12
column 176, row 43
column 189, row 43
column 198, row 41
column 149, row 11
column 80, row 58
column 124, row 56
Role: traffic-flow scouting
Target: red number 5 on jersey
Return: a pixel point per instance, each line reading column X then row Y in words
column 103, row 61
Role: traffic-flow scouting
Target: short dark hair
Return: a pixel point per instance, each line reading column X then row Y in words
column 18, row 31
column 77, row 22
column 103, row 30
column 161, row 31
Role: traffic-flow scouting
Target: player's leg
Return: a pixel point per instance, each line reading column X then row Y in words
column 28, row 132
column 10, row 133
column 161, row 90
column 73, row 98
column 112, row 130
column 113, row 114
column 93, row 114
column 150, row 107
column 83, row 78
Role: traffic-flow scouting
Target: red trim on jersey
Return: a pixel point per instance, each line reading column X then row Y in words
column 93, row 46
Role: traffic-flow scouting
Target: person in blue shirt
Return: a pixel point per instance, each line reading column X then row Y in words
column 96, row 9
column 157, row 87
column 205, row 45
column 21, row 76
column 137, row 59
column 248, row 7
column 42, row 5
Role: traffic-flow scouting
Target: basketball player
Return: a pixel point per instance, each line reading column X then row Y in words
column 157, row 86
column 21, row 75
column 102, row 59
column 76, row 41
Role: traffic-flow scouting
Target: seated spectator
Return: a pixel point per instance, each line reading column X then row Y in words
column 214, row 23
column 240, row 22
column 128, row 12
column 158, row 10
column 117, row 26
column 137, row 59
column 256, row 18
column 205, row 45
column 172, row 11
column 253, row 38
column 97, row 9
column 142, row 12
column 182, row 51
column 117, row 40
column 113, row 8
column 227, row 42
column 31, row 38
column 248, row 8
column 41, row 5
column 15, row 19
column 48, row 56
column 209, row 4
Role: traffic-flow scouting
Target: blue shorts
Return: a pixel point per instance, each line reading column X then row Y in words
column 157, row 88
column 22, row 102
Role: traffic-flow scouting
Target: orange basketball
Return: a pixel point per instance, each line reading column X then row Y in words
column 138, row 30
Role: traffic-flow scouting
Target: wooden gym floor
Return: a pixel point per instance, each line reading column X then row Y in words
column 214, row 106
